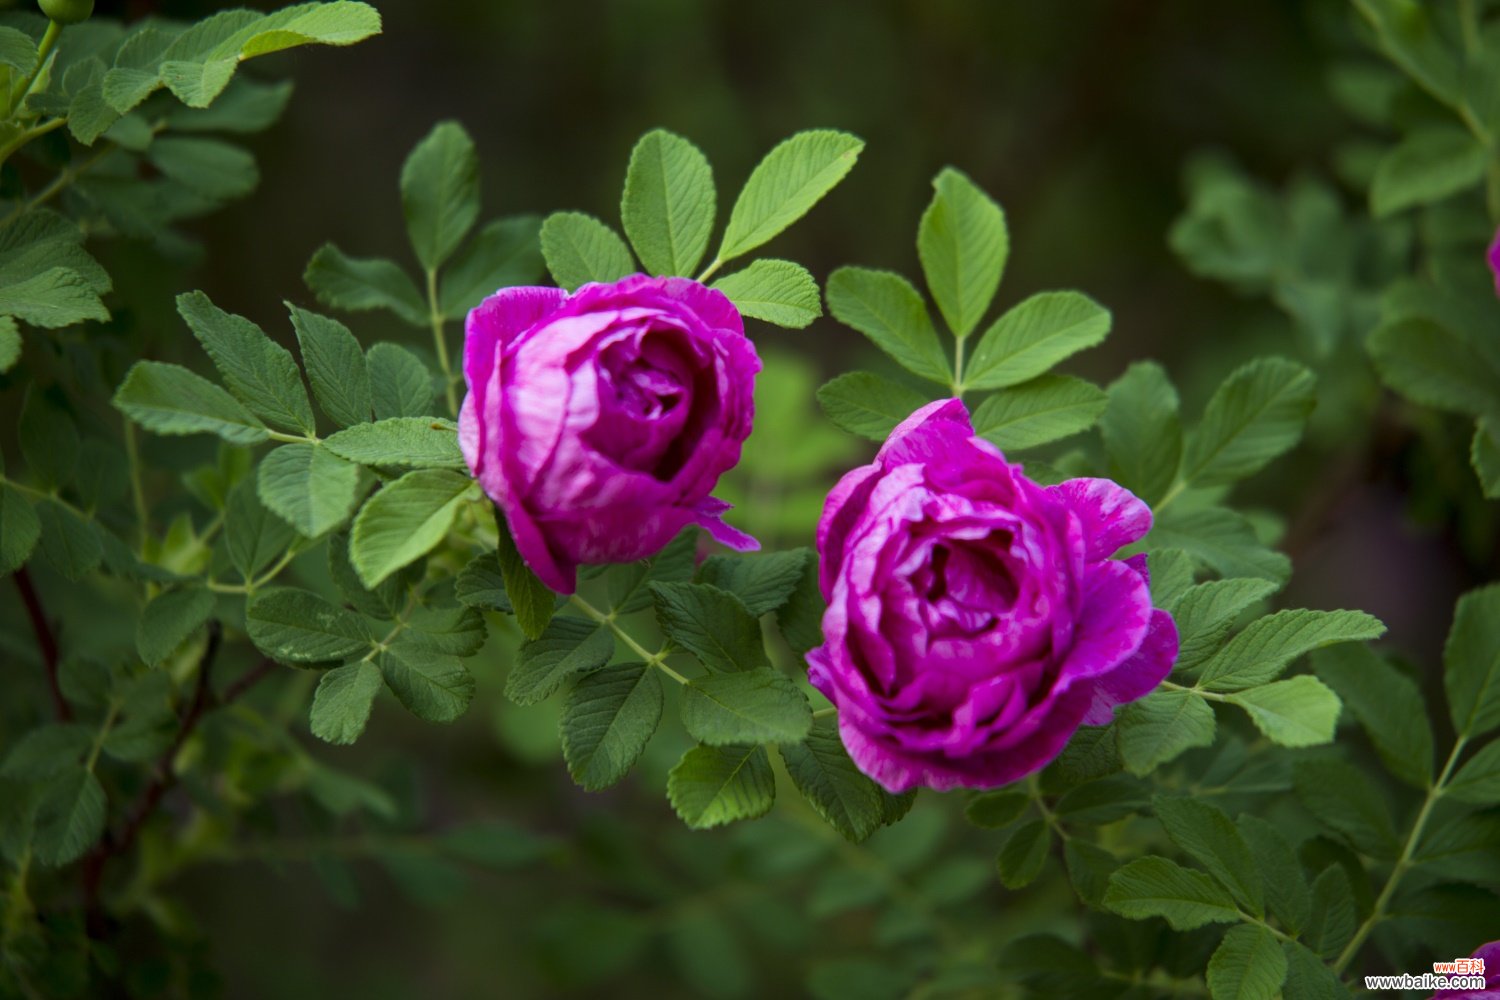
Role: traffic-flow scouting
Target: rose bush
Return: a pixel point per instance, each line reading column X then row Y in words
column 976, row 619
column 600, row 421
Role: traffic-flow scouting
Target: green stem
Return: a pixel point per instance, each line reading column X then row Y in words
column 49, row 39
column 137, row 491
column 1377, row 914
column 58, row 184
column 824, row 713
column 708, row 272
column 1048, row 815
column 1210, row 695
column 958, row 369
column 657, row 659
column 292, row 438
column 440, row 342
column 25, row 137
column 104, row 730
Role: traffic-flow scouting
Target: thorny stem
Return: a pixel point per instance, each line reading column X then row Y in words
column 657, row 659
column 440, row 342
column 46, row 641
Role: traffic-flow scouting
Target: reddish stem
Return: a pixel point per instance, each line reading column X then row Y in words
column 46, row 641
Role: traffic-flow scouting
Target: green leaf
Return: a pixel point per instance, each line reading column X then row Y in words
column 341, row 706
column 1089, row 868
column 1387, row 703
column 262, row 374
column 69, row 542
column 47, row 750
column 1105, row 799
column 1478, row 781
column 1262, row 651
column 1471, row 662
column 568, row 647
column 335, row 366
column 90, row 116
column 994, row 810
column 867, row 404
column 1309, row 977
column 711, row 624
column 579, row 249
column 1428, row 165
column 785, row 185
column 404, row 442
column 70, row 814
column 1023, row 854
column 751, row 706
column 1334, row 916
column 17, row 50
column 344, row 282
column 1171, row 576
column 886, row 308
column 1032, row 337
column 776, row 291
column 837, row 790
column 169, row 619
column 711, row 786
column 505, row 252
column 763, row 581
column 668, row 204
column 404, row 521
column 309, row 487
column 607, row 720
column 440, row 193
column 1347, row 804
column 1432, row 365
column 963, row 243
column 1204, row 833
column 246, row 106
column 216, row 170
column 1484, row 453
column 52, row 299
column 1142, row 432
column 1408, row 36
column 1287, row 895
column 1300, row 712
column 400, row 385
column 1222, row 539
column 1248, row 965
column 19, row 529
column 1206, row 612
column 48, row 439
column 432, row 687
column 385, row 602
column 1046, row 409
column 481, row 585
column 252, row 534
column 10, row 346
column 450, row 629
column 1155, row 887
column 1161, row 727
column 297, row 626
column 801, row 620
column 628, row 584
column 1257, row 414
column 532, row 600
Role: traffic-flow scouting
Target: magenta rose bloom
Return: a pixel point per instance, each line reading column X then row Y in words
column 975, row 619
column 1494, row 259
column 600, row 421
column 1490, row 955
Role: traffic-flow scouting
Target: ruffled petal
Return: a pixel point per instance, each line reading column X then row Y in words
column 1111, row 515
column 1139, row 675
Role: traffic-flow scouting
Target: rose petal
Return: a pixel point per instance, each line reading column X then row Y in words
column 1112, row 516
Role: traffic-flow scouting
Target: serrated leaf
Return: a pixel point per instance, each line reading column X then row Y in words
column 440, row 193
column 628, row 585
column 169, row 619
column 1032, row 337
column 838, row 791
column 1204, row 833
column 529, row 596
column 404, row 521
column 1248, row 965
column 354, row 284
column 432, row 687
column 1023, row 854
column 1484, row 454
column 1471, row 662
column 1157, row 887
column 1478, row 781
column 52, row 299
column 1387, row 703
column 49, row 440
column 70, row 813
column 309, row 487
column 1287, row 895
column 750, row 706
column 607, row 720
column 994, row 810
column 801, row 619
column 579, row 249
column 297, row 626
column 1346, row 804
column 763, row 582
column 10, row 345
column 505, row 252
column 385, row 602
column 568, row 647
column 1105, row 799
column 213, row 169
column 335, row 366
column 1142, row 431
column 450, row 629
column 1089, row 868
column 1221, row 539
column 785, row 185
column 963, row 244
column 260, row 373
column 1300, row 712
column 246, row 106
column 252, row 534
column 70, row 543
column 341, row 706
column 1309, row 977
column 1256, row 414
column 886, row 308
column 47, row 750
column 1266, row 646
column 1205, row 613
column 1428, row 165
column 776, row 291
column 401, row 442
column 400, row 385
column 867, row 404
column 710, row 623
column 1045, row 409
column 481, row 585
column 19, row 529
column 711, row 786
column 668, row 204
column 1171, row 572
column 1432, row 365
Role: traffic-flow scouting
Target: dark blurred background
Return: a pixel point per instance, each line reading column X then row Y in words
column 1077, row 115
